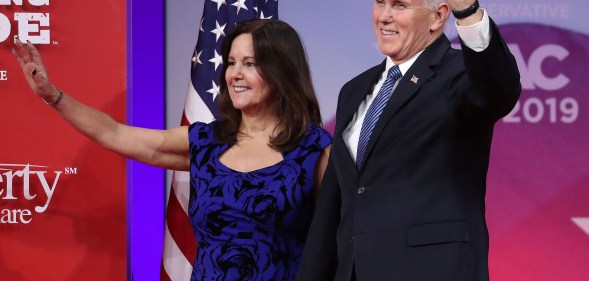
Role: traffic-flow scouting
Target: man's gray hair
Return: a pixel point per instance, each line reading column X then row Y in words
column 432, row 5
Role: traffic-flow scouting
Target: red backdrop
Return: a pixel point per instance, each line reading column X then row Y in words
column 81, row 235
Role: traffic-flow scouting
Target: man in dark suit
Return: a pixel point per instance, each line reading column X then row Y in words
column 403, row 196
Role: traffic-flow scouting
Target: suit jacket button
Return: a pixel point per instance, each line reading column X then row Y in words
column 361, row 190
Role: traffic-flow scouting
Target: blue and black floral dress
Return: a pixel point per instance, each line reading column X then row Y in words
column 250, row 225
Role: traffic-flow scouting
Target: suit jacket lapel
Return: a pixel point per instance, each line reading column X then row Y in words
column 349, row 106
column 357, row 93
column 410, row 83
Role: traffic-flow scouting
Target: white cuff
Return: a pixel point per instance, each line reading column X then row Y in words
column 476, row 36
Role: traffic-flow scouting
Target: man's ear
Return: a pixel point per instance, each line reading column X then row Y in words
column 440, row 15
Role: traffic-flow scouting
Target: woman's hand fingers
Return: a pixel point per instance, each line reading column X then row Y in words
column 35, row 56
column 24, row 58
column 30, row 61
column 23, row 51
column 39, row 73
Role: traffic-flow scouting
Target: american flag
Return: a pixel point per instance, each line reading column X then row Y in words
column 219, row 16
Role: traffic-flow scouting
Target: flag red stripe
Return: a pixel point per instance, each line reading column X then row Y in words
column 180, row 228
column 163, row 274
column 185, row 121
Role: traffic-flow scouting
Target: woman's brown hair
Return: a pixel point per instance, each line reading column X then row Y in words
column 282, row 63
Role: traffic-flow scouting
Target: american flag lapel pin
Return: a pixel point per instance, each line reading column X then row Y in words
column 414, row 79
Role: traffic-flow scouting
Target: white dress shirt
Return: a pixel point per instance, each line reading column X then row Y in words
column 476, row 37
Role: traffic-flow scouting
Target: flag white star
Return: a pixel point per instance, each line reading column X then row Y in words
column 196, row 58
column 201, row 23
column 264, row 18
column 219, row 30
column 214, row 90
column 239, row 4
column 219, row 3
column 217, row 60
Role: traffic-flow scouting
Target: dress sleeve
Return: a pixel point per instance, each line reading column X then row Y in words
column 193, row 133
column 320, row 137
column 200, row 135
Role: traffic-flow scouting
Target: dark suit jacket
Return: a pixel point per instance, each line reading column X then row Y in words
column 416, row 210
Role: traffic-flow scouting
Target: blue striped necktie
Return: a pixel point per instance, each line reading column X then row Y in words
column 374, row 112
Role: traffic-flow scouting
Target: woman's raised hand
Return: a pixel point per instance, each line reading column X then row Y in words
column 34, row 70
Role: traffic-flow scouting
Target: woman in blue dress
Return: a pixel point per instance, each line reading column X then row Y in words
column 253, row 173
